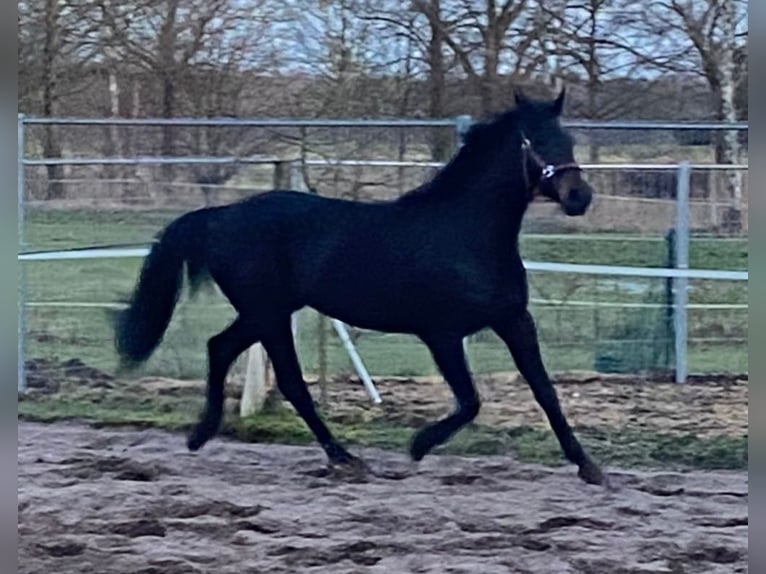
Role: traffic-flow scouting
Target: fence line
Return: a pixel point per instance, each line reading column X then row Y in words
column 544, row 236
column 577, row 268
column 370, row 123
column 154, row 160
column 257, row 160
column 245, row 122
column 556, row 303
column 618, row 305
column 586, row 166
column 660, row 200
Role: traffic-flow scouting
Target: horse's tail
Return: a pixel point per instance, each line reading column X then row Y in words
column 140, row 327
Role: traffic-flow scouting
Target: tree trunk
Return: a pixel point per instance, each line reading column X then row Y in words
column 167, row 147
column 51, row 144
column 593, row 82
column 730, row 143
column 492, row 43
column 441, row 142
column 403, row 90
column 489, row 80
column 111, row 133
column 167, row 60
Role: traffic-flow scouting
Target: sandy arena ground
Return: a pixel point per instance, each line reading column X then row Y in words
column 104, row 501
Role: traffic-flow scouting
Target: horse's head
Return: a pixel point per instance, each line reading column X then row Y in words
column 549, row 164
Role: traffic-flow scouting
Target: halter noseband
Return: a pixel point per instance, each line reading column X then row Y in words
column 547, row 170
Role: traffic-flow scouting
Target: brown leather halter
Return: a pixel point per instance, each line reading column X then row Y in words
column 547, row 170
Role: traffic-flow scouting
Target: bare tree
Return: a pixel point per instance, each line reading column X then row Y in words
column 193, row 50
column 155, row 36
column 485, row 43
column 490, row 41
column 696, row 37
column 51, row 145
column 422, row 63
column 54, row 45
column 727, row 68
column 578, row 34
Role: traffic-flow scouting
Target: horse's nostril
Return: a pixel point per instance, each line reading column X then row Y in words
column 577, row 200
column 575, row 195
column 578, row 195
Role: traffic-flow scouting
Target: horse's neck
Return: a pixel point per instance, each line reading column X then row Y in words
column 482, row 215
column 482, row 188
column 493, row 184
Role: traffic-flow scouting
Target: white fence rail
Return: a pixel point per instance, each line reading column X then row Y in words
column 576, row 268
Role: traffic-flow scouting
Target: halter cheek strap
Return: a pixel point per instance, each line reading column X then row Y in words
column 547, row 170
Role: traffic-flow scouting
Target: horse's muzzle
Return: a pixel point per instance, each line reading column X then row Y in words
column 577, row 199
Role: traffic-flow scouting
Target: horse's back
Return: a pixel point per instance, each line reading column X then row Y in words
column 278, row 240
column 372, row 264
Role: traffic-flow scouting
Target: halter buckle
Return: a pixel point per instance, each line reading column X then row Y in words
column 549, row 171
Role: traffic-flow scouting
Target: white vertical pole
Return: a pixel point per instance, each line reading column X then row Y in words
column 21, row 327
column 680, row 294
column 361, row 370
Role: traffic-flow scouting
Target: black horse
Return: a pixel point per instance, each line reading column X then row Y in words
column 440, row 262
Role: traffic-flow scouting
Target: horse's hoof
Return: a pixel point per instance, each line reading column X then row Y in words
column 419, row 448
column 590, row 473
column 197, row 439
column 349, row 467
column 337, row 455
column 348, row 461
column 357, row 465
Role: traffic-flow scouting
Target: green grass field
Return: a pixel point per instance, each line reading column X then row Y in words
column 572, row 336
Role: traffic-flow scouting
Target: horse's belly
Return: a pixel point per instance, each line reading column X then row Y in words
column 409, row 308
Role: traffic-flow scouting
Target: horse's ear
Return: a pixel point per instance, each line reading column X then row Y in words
column 558, row 104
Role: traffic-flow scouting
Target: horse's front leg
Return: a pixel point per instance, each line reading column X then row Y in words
column 519, row 333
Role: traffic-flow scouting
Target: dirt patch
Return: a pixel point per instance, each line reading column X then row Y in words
column 705, row 406
column 46, row 376
column 236, row 508
column 711, row 406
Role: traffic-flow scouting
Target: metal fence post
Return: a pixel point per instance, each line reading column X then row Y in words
column 668, row 332
column 21, row 328
column 680, row 294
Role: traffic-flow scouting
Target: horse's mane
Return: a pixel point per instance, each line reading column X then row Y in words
column 483, row 133
column 480, row 142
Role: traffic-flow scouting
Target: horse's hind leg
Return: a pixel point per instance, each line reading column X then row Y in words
column 279, row 345
column 449, row 356
column 520, row 335
column 222, row 350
